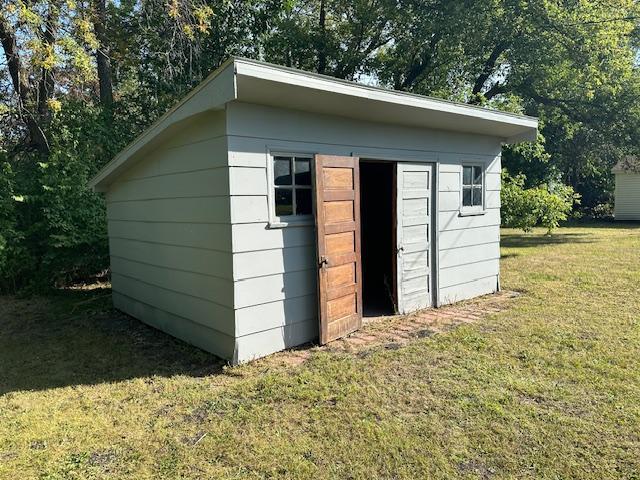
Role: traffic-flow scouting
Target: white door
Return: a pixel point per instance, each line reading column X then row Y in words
column 413, row 236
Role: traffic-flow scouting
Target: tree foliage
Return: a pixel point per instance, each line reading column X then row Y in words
column 80, row 78
column 544, row 205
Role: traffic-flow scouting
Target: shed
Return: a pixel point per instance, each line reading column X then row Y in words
column 627, row 193
column 272, row 207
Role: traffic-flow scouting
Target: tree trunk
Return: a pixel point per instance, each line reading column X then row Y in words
column 22, row 88
column 47, row 83
column 103, row 61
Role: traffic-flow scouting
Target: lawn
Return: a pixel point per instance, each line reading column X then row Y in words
column 549, row 388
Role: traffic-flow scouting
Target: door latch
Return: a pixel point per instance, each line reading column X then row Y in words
column 323, row 262
column 399, row 250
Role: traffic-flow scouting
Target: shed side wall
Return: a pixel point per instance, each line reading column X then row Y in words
column 170, row 237
column 627, row 196
column 274, row 269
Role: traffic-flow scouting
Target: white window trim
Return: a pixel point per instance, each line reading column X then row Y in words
column 287, row 220
column 476, row 210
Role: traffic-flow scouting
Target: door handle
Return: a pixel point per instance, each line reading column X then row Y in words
column 323, row 262
column 399, row 250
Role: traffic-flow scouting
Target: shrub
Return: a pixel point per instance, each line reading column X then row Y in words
column 52, row 226
column 544, row 205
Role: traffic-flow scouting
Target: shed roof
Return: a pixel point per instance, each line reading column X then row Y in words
column 251, row 81
column 629, row 164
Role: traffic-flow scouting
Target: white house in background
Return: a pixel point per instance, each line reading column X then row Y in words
column 272, row 207
column 627, row 194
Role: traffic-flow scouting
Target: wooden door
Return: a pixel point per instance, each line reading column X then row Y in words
column 413, row 236
column 337, row 211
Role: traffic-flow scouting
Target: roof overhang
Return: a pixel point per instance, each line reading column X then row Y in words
column 265, row 84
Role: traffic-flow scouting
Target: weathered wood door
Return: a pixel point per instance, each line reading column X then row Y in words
column 337, row 211
column 413, row 236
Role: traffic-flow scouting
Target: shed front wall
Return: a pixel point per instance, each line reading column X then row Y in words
column 627, row 196
column 170, row 237
column 274, row 269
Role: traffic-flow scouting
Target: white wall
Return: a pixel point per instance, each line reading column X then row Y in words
column 627, row 196
column 170, row 237
column 274, row 271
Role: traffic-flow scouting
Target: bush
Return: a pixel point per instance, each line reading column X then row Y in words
column 543, row 205
column 52, row 226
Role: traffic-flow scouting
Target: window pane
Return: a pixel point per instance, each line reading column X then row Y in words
column 477, row 196
column 477, row 175
column 303, row 201
column 284, row 202
column 303, row 171
column 466, row 197
column 282, row 170
column 466, row 175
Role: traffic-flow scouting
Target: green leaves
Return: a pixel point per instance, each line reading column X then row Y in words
column 544, row 205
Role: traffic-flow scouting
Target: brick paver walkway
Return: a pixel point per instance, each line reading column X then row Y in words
column 398, row 330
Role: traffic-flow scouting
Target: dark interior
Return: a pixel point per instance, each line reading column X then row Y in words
column 377, row 249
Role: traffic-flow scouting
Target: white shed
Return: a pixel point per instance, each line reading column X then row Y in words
column 272, row 207
column 627, row 194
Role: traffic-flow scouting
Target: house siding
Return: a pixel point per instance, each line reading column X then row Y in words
column 274, row 270
column 170, row 237
column 627, row 196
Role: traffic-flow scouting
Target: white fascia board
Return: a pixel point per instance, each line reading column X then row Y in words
column 312, row 81
column 212, row 94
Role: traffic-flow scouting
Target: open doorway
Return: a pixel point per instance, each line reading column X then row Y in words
column 377, row 224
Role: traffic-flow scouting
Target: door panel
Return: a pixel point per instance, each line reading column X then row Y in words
column 413, row 236
column 337, row 211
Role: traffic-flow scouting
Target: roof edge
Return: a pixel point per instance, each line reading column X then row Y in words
column 526, row 119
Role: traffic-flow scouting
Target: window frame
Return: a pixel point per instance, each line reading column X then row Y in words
column 276, row 221
column 473, row 209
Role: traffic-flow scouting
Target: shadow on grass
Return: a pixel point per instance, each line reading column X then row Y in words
column 535, row 240
column 76, row 338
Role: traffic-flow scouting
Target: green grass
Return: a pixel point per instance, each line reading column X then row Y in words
column 549, row 388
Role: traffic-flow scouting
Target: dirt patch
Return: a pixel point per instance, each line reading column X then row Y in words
column 476, row 468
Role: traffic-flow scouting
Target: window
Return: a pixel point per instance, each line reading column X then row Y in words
column 472, row 187
column 292, row 186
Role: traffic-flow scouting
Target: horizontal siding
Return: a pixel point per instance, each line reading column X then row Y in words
column 196, row 235
column 269, row 262
column 276, row 314
column 455, row 257
column 258, row 236
column 206, row 287
column 475, row 288
column 259, row 290
column 454, row 239
column 248, row 181
column 170, row 237
column 207, row 262
column 263, row 343
column 627, row 197
column 181, row 210
column 453, row 221
column 249, row 209
column 467, row 273
column 178, row 326
column 204, row 154
column 200, row 183
column 197, row 310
